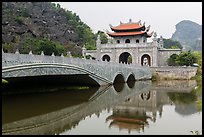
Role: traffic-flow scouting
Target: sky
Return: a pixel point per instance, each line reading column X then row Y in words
column 161, row 16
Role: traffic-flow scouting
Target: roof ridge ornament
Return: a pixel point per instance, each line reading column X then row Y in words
column 155, row 35
column 149, row 27
column 130, row 20
column 144, row 23
column 121, row 22
column 110, row 25
column 98, row 41
column 139, row 22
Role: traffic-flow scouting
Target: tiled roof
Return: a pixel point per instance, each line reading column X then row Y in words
column 127, row 26
column 129, row 33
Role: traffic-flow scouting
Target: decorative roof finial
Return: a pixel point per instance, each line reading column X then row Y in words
column 139, row 22
column 42, row 53
column 17, row 51
column 144, row 24
column 130, row 20
column 98, row 39
column 161, row 38
column 30, row 53
column 148, row 27
column 155, row 35
column 121, row 22
column 110, row 25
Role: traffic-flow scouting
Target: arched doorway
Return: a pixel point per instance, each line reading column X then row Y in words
column 126, row 58
column 106, row 58
column 146, row 60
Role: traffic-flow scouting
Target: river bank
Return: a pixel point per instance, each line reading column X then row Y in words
column 173, row 72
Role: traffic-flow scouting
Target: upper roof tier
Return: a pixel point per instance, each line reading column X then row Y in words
column 144, row 33
column 128, row 26
column 130, row 29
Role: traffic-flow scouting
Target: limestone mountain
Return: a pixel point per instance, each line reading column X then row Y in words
column 189, row 34
column 36, row 20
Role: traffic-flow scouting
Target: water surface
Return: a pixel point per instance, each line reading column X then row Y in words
column 143, row 107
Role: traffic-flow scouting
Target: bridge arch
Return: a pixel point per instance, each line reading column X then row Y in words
column 131, row 77
column 131, row 81
column 119, row 78
column 46, row 69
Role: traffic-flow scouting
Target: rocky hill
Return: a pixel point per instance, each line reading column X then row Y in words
column 36, row 20
column 189, row 34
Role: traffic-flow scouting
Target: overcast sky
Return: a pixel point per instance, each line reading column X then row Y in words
column 162, row 16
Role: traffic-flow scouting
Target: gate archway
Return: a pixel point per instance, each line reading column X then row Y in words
column 126, row 58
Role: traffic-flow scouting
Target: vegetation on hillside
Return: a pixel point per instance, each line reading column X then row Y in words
column 45, row 26
column 171, row 44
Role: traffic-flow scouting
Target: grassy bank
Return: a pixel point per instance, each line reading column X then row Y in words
column 4, row 81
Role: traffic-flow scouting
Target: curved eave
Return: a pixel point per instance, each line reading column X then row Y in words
column 127, row 28
column 118, row 34
column 149, row 34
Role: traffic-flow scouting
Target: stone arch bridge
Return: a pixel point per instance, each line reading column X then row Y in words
column 103, row 73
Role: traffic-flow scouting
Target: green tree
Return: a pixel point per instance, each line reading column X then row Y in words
column 8, row 47
column 198, row 55
column 36, row 45
column 103, row 37
column 173, row 60
column 184, row 58
column 187, row 58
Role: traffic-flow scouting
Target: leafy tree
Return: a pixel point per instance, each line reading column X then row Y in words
column 103, row 37
column 184, row 58
column 8, row 47
column 187, row 58
column 198, row 55
column 41, row 44
column 173, row 60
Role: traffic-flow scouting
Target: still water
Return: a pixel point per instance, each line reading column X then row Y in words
column 139, row 108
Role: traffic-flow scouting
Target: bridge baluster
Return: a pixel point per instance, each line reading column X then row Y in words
column 17, row 51
column 42, row 53
column 30, row 53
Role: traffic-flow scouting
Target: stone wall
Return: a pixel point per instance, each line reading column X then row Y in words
column 169, row 72
column 164, row 54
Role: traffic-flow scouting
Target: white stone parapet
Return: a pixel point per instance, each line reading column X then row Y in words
column 125, row 45
column 103, row 72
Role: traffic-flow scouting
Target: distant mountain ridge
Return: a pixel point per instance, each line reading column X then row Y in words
column 189, row 34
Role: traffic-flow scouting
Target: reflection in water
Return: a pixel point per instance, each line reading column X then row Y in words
column 133, row 107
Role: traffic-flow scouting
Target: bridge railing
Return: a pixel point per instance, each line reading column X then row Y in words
column 9, row 59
